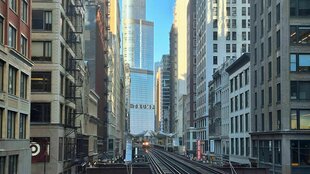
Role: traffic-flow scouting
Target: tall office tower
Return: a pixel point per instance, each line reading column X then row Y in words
column 115, row 128
column 57, row 50
column 222, row 33
column 180, row 60
column 173, row 76
column 191, row 76
column 158, row 119
column 138, row 45
column 280, row 85
column 96, row 55
column 15, row 72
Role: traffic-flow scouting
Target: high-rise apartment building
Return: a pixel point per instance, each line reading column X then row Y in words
column 15, row 73
column 280, row 85
column 57, row 77
column 222, row 28
column 138, row 45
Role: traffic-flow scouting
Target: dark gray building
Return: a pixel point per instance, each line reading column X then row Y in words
column 280, row 80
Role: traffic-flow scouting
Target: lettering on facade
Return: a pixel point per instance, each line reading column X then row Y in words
column 142, row 106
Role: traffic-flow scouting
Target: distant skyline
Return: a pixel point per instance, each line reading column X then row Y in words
column 161, row 13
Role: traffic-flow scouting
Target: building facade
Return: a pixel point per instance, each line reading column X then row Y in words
column 222, row 33
column 57, row 51
column 15, row 74
column 240, row 110
column 138, row 45
column 279, row 83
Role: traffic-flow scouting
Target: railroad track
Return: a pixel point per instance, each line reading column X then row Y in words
column 167, row 163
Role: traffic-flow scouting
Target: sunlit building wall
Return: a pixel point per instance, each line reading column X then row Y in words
column 222, row 33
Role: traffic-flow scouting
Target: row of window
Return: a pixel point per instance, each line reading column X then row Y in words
column 278, row 99
column 262, row 120
column 13, row 75
column 278, row 71
column 24, row 8
column 244, row 146
column 278, row 11
column 267, row 151
column 12, row 162
column 12, row 127
column 12, row 38
column 235, row 127
column 236, row 105
column 243, row 78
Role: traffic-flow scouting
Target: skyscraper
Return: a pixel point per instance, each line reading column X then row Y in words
column 138, row 36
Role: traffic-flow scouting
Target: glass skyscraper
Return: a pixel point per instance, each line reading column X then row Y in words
column 138, row 45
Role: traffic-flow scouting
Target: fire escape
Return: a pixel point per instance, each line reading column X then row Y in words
column 74, row 81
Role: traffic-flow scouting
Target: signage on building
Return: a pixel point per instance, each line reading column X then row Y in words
column 212, row 146
column 142, row 106
column 198, row 149
column 40, row 149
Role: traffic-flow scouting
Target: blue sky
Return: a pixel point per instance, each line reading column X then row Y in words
column 161, row 13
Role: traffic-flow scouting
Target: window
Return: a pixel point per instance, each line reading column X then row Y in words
column 215, row 48
column 241, row 123
column 236, row 124
column 1, row 122
column 262, row 75
column 1, row 75
column 255, row 100
column 243, row 23
column 241, row 146
column 300, row 90
column 234, row 48
column 243, row 48
column 278, row 66
column 23, row 46
column 2, row 164
column 269, row 71
column 300, row 153
column 300, row 62
column 231, row 85
column 270, row 96
column 255, row 122
column 13, row 5
column 241, row 101
column 243, row 11
column 22, row 126
column 261, row 7
column 246, row 99
column 299, row 35
column 234, row 36
column 25, row 10
column 247, row 122
column 278, row 40
column 263, row 122
column 214, row 35
column 300, row 119
column 278, row 119
column 11, row 125
column 232, row 125
column 243, row 35
column 12, row 80
column 12, row 37
column 215, row 23
column 232, row 145
column 278, row 92
column 40, row 112
column 277, row 150
column 228, row 23
column 41, row 82
column 1, row 30
column 215, row 11
column 228, row 35
column 269, row 21
column 41, row 51
column 262, row 51
column 255, row 78
column 232, row 105
column 227, row 11
column 269, row 46
column 299, row 8
column 234, row 23
column 262, row 28
column 23, row 85
column 246, row 78
column 236, row 103
column 247, row 146
column 270, row 121
column 227, row 48
column 237, row 146
column 234, row 11
column 278, row 11
column 236, row 83
column 41, row 20
column 262, row 98
column 214, row 60
column 13, row 164
column 240, row 79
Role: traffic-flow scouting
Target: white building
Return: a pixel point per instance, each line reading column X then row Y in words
column 240, row 110
column 222, row 33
